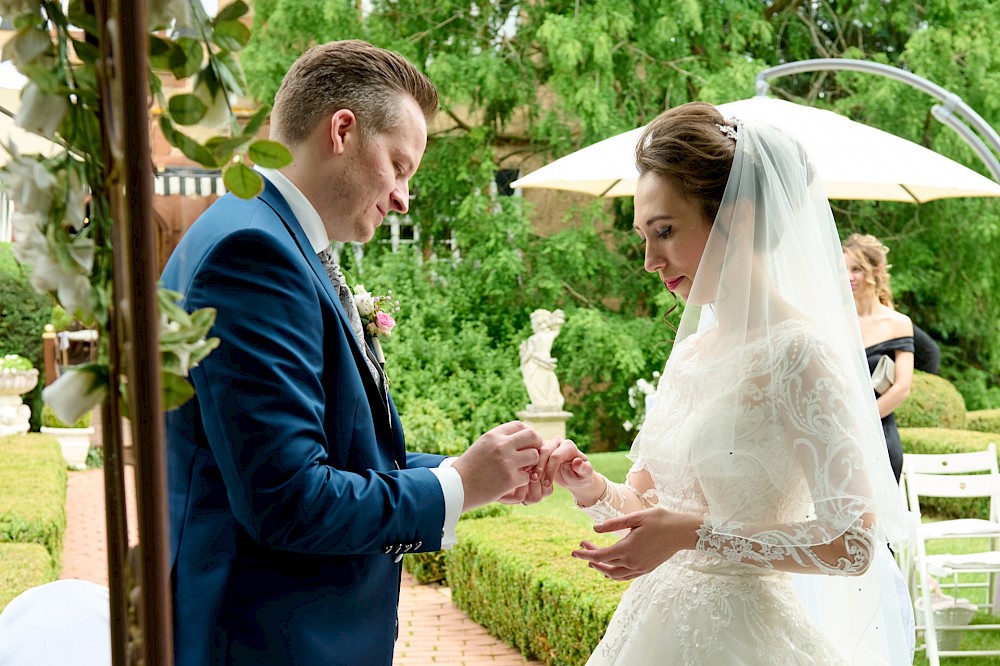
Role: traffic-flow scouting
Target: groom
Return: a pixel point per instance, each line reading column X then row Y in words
column 292, row 498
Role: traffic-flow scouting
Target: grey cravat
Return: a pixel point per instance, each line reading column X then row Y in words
column 351, row 308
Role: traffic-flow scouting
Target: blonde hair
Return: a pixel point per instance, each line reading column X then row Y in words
column 870, row 254
column 349, row 74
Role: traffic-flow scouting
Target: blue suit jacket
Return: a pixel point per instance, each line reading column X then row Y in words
column 288, row 477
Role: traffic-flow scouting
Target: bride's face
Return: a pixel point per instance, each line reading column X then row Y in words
column 674, row 231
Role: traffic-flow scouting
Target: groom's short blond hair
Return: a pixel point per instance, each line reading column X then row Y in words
column 349, row 74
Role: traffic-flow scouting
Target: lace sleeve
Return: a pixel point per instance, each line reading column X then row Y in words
column 818, row 435
column 619, row 499
column 850, row 554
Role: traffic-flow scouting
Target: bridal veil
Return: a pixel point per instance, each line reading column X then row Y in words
column 791, row 455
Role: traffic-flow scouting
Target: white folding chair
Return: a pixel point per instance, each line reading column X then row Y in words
column 949, row 478
column 971, row 462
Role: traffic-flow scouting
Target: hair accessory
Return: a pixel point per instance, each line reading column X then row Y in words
column 729, row 129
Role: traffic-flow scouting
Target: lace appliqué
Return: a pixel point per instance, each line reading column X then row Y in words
column 786, row 544
column 681, row 615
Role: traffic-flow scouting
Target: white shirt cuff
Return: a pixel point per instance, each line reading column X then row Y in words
column 454, row 499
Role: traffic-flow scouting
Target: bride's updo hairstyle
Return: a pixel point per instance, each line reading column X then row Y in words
column 686, row 146
column 870, row 254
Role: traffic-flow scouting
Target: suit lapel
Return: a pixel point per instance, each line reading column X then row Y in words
column 277, row 203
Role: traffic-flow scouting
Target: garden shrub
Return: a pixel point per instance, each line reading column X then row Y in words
column 33, row 492
column 23, row 315
column 983, row 420
column 50, row 420
column 22, row 567
column 429, row 430
column 939, row 441
column 933, row 403
column 514, row 576
column 432, row 567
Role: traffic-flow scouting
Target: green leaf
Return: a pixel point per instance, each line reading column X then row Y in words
column 233, row 11
column 186, row 57
column 223, row 147
column 191, row 148
column 242, row 181
column 85, row 51
column 256, row 122
column 176, row 390
column 231, row 35
column 269, row 154
column 160, row 51
column 81, row 18
column 230, row 74
column 186, row 109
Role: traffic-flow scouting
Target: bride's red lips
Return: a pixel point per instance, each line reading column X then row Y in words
column 672, row 284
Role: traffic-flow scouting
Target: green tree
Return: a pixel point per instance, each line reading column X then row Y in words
column 543, row 78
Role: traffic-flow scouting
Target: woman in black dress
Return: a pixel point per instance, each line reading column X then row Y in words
column 884, row 330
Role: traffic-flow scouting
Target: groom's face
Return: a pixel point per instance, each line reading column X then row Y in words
column 373, row 178
column 674, row 231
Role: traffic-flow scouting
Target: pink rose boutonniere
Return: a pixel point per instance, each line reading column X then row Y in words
column 376, row 316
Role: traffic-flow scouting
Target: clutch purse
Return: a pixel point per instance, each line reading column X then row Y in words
column 884, row 375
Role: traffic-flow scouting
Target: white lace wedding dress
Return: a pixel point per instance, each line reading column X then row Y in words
column 712, row 606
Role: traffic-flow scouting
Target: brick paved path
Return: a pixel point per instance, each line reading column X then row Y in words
column 431, row 629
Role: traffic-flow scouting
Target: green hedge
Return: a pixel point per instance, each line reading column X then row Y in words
column 984, row 420
column 33, row 492
column 933, row 403
column 514, row 575
column 942, row 440
column 23, row 315
column 23, row 566
column 432, row 567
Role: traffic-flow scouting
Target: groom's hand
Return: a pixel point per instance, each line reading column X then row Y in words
column 540, row 480
column 498, row 463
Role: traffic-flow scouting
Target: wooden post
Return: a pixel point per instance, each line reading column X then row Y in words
column 133, row 343
column 49, row 354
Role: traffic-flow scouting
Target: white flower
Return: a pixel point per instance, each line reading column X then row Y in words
column 76, row 203
column 11, row 9
column 76, row 392
column 27, row 47
column 162, row 12
column 628, row 426
column 71, row 288
column 30, row 185
column 40, row 112
column 364, row 300
column 30, row 244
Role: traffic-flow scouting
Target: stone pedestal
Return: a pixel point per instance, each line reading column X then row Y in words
column 548, row 424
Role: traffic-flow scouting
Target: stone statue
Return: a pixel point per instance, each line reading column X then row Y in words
column 537, row 364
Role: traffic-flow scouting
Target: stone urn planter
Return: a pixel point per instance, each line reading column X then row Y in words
column 14, row 414
column 74, row 443
column 73, row 438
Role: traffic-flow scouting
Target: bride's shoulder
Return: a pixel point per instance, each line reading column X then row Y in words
column 802, row 336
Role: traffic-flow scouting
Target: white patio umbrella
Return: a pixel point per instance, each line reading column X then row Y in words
column 854, row 160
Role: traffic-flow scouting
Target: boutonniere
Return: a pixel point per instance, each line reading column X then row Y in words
column 376, row 316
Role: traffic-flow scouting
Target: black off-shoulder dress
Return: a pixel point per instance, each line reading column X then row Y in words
column 874, row 353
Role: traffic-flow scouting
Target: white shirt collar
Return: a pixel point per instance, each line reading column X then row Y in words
column 302, row 209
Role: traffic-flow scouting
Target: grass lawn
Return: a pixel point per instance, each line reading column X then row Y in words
column 616, row 465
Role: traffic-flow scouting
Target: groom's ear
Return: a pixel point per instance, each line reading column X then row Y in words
column 343, row 127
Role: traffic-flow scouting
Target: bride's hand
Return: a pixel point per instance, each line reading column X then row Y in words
column 655, row 536
column 567, row 466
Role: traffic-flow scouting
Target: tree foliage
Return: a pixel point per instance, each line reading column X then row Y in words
column 536, row 80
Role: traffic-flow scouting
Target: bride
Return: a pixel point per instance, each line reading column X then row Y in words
column 762, row 457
